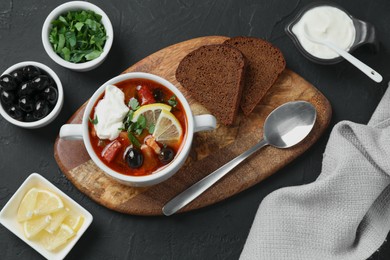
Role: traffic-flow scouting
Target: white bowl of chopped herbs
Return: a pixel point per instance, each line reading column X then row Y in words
column 77, row 35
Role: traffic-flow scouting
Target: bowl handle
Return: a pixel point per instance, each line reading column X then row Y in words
column 204, row 123
column 71, row 132
column 365, row 34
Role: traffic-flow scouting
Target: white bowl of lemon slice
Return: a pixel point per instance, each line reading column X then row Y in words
column 45, row 218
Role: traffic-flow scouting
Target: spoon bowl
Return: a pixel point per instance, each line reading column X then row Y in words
column 289, row 124
column 284, row 127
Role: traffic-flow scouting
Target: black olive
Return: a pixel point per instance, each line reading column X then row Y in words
column 158, row 95
column 16, row 113
column 51, row 95
column 26, row 89
column 18, row 75
column 166, row 155
column 7, row 97
column 41, row 82
column 39, row 96
column 30, row 72
column 26, row 103
column 8, row 83
column 134, row 158
column 29, row 117
column 41, row 109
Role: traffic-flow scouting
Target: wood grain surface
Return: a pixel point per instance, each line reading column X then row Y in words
column 210, row 149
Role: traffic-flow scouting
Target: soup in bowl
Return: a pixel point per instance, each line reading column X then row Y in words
column 138, row 128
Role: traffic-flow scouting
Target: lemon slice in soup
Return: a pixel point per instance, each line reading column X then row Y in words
column 168, row 128
column 151, row 112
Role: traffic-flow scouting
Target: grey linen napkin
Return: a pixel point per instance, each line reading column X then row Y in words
column 345, row 213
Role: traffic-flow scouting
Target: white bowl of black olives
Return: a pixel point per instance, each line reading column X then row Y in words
column 31, row 95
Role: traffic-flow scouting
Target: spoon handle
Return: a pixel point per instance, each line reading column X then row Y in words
column 201, row 186
column 358, row 64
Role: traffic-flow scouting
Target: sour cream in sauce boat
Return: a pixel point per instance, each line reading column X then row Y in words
column 329, row 21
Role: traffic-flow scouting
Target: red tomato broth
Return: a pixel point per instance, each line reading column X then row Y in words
column 151, row 163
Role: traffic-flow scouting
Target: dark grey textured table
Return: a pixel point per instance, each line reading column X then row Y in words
column 141, row 28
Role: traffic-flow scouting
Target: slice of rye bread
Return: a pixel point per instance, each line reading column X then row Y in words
column 214, row 75
column 265, row 63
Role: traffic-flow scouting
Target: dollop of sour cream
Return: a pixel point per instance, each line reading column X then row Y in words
column 325, row 23
column 110, row 112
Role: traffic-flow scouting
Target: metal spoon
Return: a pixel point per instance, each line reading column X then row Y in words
column 284, row 127
column 375, row 76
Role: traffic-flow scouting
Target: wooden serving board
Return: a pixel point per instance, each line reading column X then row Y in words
column 210, row 149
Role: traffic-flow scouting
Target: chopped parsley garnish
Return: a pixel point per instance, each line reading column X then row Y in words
column 172, row 101
column 133, row 128
column 94, row 121
column 133, row 104
column 139, row 126
column 78, row 36
column 133, row 139
column 127, row 120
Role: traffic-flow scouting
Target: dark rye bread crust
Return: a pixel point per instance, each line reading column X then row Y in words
column 214, row 75
column 265, row 63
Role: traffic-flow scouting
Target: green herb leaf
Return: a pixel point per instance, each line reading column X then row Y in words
column 130, row 116
column 172, row 101
column 80, row 16
column 71, row 38
column 76, row 57
column 93, row 55
column 63, row 20
column 98, row 17
column 127, row 120
column 138, row 131
column 133, row 104
column 141, row 121
column 94, row 121
column 151, row 129
column 133, row 139
column 66, row 53
column 79, row 25
column 61, row 43
column 91, row 24
column 139, row 126
column 132, row 127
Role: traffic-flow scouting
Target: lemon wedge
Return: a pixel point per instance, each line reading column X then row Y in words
column 53, row 241
column 74, row 221
column 151, row 113
column 47, row 202
column 167, row 128
column 26, row 207
column 33, row 226
column 56, row 220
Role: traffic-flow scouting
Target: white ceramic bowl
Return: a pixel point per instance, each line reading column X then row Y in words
column 9, row 212
column 57, row 108
column 194, row 124
column 70, row 6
